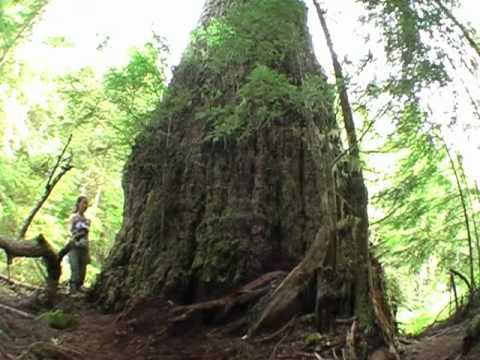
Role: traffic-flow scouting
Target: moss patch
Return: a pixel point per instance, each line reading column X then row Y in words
column 59, row 320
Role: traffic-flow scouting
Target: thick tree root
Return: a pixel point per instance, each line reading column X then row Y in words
column 286, row 301
column 139, row 317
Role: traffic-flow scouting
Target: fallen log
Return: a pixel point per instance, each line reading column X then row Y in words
column 36, row 248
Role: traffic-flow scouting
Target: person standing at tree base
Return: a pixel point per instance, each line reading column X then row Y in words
column 78, row 246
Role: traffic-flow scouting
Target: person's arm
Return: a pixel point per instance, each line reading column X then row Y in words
column 68, row 246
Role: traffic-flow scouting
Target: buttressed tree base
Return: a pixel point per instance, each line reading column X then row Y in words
column 241, row 174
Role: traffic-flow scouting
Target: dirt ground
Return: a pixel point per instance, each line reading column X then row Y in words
column 140, row 334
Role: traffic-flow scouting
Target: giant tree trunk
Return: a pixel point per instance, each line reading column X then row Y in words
column 234, row 178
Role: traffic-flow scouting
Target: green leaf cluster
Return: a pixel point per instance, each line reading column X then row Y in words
column 243, row 58
column 259, row 31
column 16, row 21
column 262, row 99
column 406, row 28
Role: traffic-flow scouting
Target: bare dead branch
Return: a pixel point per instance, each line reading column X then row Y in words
column 52, row 181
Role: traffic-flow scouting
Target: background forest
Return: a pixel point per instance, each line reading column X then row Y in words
column 412, row 78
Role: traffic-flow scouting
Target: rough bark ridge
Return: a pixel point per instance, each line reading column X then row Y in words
column 226, row 184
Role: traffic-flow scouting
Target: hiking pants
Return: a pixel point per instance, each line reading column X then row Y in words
column 78, row 258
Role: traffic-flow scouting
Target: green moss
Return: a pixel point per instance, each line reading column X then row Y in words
column 214, row 254
column 57, row 319
column 313, row 339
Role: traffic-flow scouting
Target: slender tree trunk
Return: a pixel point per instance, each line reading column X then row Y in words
column 465, row 212
column 471, row 207
column 357, row 181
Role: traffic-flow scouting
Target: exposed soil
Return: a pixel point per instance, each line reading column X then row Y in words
column 140, row 334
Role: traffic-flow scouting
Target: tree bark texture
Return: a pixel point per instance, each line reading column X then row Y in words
column 232, row 181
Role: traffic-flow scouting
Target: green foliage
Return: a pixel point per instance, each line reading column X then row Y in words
column 406, row 26
column 16, row 20
column 120, row 105
column 136, row 89
column 423, row 232
column 57, row 319
column 268, row 93
column 59, row 42
column 317, row 94
column 259, row 31
column 263, row 98
column 422, row 197
column 245, row 54
column 240, row 52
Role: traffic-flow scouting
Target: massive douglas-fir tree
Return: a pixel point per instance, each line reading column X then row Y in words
column 241, row 173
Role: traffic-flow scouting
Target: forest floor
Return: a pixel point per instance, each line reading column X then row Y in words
column 99, row 336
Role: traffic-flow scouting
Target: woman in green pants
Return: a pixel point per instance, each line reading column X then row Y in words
column 78, row 247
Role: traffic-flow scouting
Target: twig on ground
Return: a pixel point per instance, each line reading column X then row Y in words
column 334, row 353
column 16, row 311
column 274, row 352
column 279, row 331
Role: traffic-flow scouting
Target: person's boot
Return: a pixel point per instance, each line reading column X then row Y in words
column 74, row 288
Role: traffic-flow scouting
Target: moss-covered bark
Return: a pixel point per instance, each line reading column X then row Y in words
column 227, row 184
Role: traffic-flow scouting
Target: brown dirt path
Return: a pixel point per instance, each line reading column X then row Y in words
column 442, row 344
column 103, row 337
